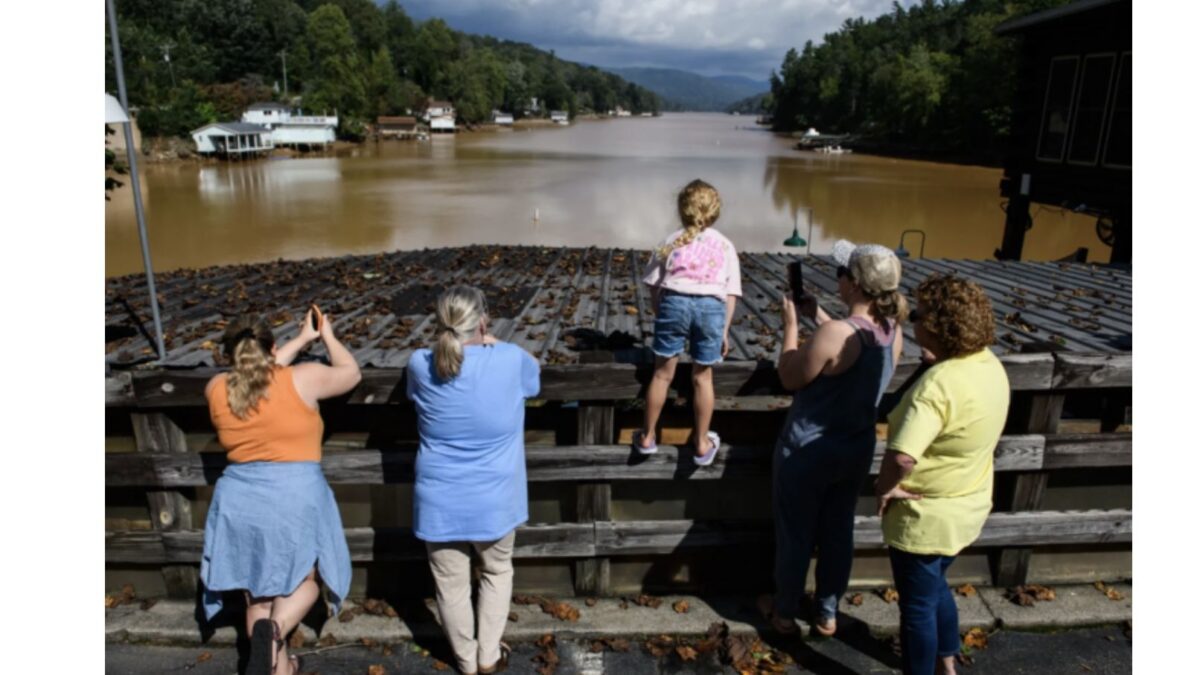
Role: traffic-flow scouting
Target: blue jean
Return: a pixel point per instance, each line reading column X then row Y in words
column 816, row 491
column 928, row 615
column 698, row 319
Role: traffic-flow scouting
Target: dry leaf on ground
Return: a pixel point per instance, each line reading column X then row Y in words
column 856, row 599
column 327, row 641
column 1028, row 594
column 296, row 641
column 966, row 590
column 512, row 616
column 376, row 669
column 346, row 616
column 1109, row 591
column 890, row 594
column 590, row 602
column 648, row 601
column 976, row 638
column 440, row 665
column 680, row 607
column 659, row 646
column 686, row 653
column 204, row 656
column 148, row 603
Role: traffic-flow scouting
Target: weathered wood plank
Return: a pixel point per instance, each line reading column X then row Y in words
column 593, row 500
column 1079, row 450
column 571, row 463
column 559, row 540
column 118, row 390
column 1092, row 371
column 1040, row 528
column 170, row 510
column 626, row 538
column 1030, row 413
column 615, row 381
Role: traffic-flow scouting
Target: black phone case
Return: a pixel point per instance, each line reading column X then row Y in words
column 796, row 281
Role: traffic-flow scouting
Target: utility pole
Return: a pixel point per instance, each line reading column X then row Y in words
column 131, row 153
column 283, row 55
column 167, row 57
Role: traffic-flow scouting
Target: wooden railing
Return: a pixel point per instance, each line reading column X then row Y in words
column 164, row 465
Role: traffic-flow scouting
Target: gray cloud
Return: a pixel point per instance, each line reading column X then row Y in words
column 712, row 37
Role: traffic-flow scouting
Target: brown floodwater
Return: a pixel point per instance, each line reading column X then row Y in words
column 603, row 182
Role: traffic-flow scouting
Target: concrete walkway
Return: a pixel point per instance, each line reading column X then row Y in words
column 1093, row 651
column 171, row 622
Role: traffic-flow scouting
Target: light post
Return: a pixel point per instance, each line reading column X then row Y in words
column 117, row 113
column 902, row 252
column 796, row 241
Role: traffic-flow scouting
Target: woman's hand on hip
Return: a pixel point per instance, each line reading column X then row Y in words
column 884, row 500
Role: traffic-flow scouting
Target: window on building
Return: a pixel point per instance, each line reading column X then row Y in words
column 1088, row 128
column 1118, row 146
column 1056, row 117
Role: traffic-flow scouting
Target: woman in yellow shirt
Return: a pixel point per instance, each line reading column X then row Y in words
column 935, row 483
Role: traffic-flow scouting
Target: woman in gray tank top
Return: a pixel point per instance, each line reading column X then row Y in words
column 826, row 446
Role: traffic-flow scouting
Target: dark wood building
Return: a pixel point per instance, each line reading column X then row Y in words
column 1072, row 126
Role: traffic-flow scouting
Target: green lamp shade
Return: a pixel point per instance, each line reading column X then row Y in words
column 795, row 240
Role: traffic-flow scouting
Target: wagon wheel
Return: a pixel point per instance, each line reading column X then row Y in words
column 1105, row 230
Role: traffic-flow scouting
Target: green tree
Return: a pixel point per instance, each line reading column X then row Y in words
column 433, row 48
column 385, row 96
column 186, row 109
column 335, row 80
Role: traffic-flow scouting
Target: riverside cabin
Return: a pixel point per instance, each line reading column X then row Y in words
column 401, row 127
column 502, row 118
column 287, row 129
column 233, row 139
column 1071, row 145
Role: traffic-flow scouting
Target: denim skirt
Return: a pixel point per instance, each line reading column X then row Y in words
column 268, row 525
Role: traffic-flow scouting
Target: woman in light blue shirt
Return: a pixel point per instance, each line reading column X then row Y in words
column 470, row 490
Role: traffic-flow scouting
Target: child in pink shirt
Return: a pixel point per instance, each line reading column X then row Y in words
column 696, row 281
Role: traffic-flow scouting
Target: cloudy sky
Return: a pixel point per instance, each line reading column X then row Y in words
column 712, row 37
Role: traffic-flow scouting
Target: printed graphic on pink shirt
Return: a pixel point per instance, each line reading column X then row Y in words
column 702, row 261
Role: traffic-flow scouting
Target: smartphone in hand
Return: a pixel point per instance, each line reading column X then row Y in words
column 316, row 317
column 796, row 281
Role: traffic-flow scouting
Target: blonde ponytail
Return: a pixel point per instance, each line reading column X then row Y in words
column 460, row 310
column 890, row 305
column 248, row 343
column 699, row 207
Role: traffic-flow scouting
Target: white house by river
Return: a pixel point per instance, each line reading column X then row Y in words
column 265, row 126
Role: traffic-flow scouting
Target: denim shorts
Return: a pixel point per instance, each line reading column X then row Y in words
column 699, row 319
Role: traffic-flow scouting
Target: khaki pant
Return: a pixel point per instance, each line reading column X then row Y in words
column 450, row 563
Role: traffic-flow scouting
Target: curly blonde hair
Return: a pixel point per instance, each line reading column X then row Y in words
column 958, row 312
column 699, row 207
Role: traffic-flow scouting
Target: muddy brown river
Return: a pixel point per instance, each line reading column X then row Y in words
column 601, row 182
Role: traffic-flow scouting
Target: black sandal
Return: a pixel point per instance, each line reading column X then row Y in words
column 264, row 642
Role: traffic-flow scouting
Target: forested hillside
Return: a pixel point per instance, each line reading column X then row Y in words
column 932, row 76
column 354, row 56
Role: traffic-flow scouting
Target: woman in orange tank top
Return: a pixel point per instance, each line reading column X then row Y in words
column 273, row 526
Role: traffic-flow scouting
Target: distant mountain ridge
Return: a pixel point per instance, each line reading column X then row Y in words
column 684, row 90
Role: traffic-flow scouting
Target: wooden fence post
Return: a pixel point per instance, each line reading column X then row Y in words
column 593, row 499
column 170, row 510
column 1031, row 413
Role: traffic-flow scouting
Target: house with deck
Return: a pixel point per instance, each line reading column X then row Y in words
column 288, row 129
column 560, row 117
column 233, row 139
column 502, row 118
column 401, row 127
